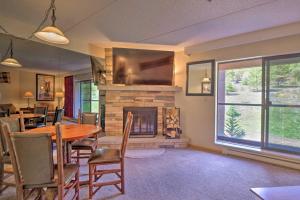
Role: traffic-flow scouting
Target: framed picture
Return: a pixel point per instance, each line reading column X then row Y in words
column 200, row 78
column 45, row 87
column 4, row 77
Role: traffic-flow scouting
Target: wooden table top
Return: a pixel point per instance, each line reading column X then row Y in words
column 27, row 115
column 70, row 132
column 278, row 193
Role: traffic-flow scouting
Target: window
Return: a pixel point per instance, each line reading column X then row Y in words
column 258, row 102
column 283, row 103
column 240, row 101
column 89, row 97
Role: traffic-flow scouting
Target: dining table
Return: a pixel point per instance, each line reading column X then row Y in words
column 70, row 133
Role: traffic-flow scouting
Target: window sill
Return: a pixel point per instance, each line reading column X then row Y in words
column 257, row 151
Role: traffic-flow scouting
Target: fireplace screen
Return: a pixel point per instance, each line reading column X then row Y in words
column 144, row 121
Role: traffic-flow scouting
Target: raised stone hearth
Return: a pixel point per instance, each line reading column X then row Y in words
column 136, row 143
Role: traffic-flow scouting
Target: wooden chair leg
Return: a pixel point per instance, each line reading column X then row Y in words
column 122, row 177
column 77, row 185
column 1, row 175
column 50, row 194
column 91, row 172
column 20, row 193
column 60, row 191
column 78, row 154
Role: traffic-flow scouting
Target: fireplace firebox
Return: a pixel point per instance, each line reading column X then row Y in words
column 144, row 121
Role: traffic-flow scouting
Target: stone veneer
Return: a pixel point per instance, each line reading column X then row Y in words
column 116, row 100
column 136, row 96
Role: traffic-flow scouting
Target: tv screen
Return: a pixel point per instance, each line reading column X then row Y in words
column 142, row 67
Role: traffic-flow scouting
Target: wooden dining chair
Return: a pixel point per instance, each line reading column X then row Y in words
column 84, row 147
column 32, row 159
column 6, row 169
column 102, row 157
column 58, row 115
column 38, row 122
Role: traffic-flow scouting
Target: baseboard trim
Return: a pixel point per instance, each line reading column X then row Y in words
column 282, row 162
column 207, row 149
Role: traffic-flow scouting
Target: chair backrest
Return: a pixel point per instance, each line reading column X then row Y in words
column 58, row 115
column 41, row 110
column 34, row 155
column 15, row 125
column 59, row 151
column 126, row 133
column 87, row 118
column 6, row 132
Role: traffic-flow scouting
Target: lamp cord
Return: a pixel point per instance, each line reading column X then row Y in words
column 47, row 13
column 46, row 16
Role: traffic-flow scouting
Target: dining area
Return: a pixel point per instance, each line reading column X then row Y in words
column 49, row 162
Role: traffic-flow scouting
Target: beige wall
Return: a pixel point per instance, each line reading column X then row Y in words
column 21, row 81
column 197, row 112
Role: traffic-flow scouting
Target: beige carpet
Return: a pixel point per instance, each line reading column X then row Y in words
column 144, row 153
column 192, row 175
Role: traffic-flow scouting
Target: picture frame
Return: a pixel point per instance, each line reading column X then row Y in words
column 45, row 87
column 200, row 78
column 5, row 77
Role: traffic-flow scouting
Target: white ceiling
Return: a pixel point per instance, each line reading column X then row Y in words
column 175, row 23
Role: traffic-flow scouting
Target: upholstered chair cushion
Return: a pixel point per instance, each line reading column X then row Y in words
column 69, row 173
column 10, row 107
column 89, row 118
column 34, row 157
column 85, row 144
column 13, row 123
column 14, row 126
column 105, row 155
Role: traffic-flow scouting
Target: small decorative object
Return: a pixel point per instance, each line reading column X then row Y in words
column 200, row 78
column 45, row 87
column 28, row 95
column 171, row 122
column 4, row 77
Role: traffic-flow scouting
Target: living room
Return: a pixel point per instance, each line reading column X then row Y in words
column 212, row 86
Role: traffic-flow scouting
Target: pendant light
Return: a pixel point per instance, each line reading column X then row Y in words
column 11, row 61
column 206, row 79
column 51, row 33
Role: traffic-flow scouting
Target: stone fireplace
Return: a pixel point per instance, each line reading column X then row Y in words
column 143, row 101
column 144, row 121
column 120, row 97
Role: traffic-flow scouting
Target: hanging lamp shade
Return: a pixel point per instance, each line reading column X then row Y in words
column 52, row 34
column 205, row 80
column 11, row 61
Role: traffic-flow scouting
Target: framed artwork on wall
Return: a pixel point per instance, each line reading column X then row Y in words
column 200, row 78
column 45, row 87
column 4, row 77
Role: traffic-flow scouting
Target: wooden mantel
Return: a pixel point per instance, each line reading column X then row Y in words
column 160, row 88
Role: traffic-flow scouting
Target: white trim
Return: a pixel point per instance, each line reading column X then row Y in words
column 238, row 59
column 278, row 158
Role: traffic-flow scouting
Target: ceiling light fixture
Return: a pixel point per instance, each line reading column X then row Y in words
column 51, row 33
column 11, row 61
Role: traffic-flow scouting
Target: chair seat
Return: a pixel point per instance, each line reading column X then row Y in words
column 85, row 144
column 69, row 173
column 105, row 156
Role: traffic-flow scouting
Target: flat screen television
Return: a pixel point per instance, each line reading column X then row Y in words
column 142, row 67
